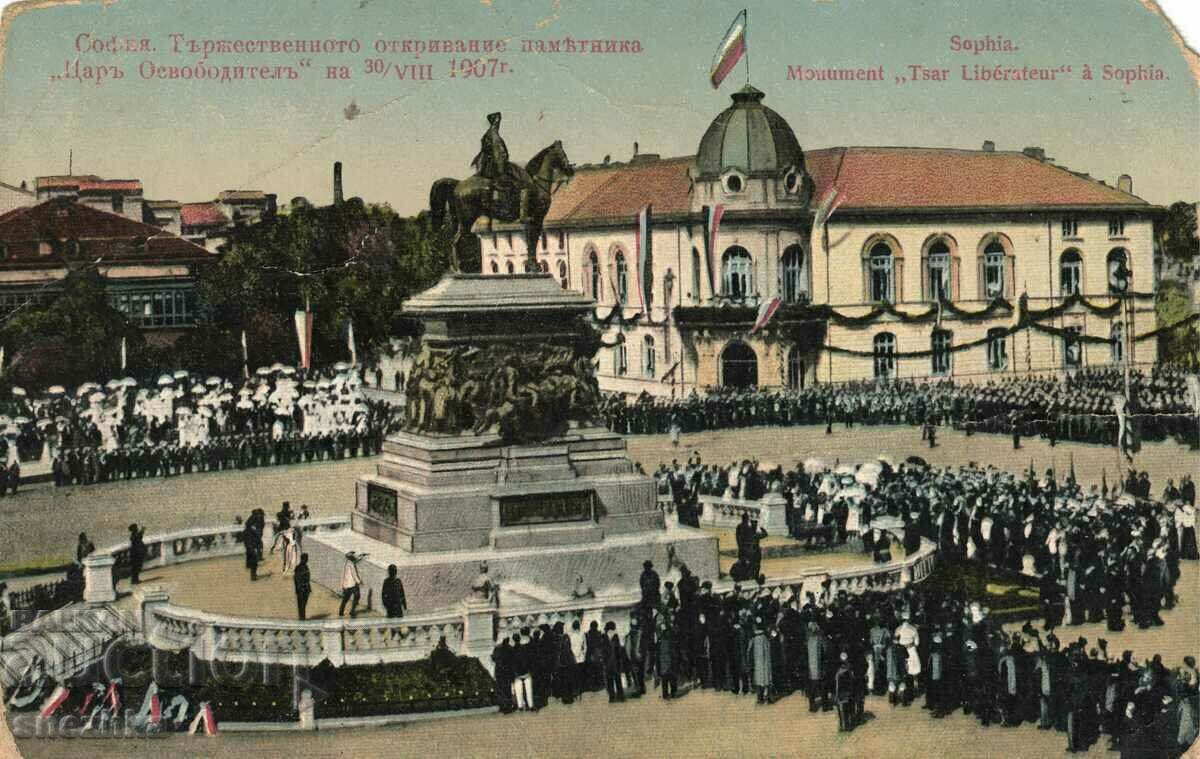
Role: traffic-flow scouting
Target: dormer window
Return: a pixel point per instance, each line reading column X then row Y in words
column 1116, row 226
column 1070, row 227
column 734, row 183
column 791, row 181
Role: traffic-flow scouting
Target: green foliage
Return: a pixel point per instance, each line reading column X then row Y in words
column 1177, row 346
column 432, row 684
column 1177, row 232
column 349, row 262
column 74, row 338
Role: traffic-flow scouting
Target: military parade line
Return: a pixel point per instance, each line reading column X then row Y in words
column 184, row 423
column 1081, row 407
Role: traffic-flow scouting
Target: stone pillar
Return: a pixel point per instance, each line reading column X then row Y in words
column 308, row 710
column 147, row 599
column 479, row 631
column 331, row 642
column 98, row 585
column 772, row 514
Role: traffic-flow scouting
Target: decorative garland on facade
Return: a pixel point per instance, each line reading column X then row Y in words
column 618, row 312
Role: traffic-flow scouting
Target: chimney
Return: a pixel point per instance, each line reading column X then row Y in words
column 337, row 183
column 989, row 146
column 1125, row 184
column 635, row 149
column 24, row 186
column 1037, row 154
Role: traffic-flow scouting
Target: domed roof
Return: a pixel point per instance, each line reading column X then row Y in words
column 749, row 137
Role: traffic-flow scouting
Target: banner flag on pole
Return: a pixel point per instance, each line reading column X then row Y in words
column 712, row 222
column 766, row 311
column 730, row 51
column 829, row 203
column 643, row 248
column 304, row 322
column 350, row 342
column 204, row 717
column 245, row 357
column 52, row 704
column 123, row 354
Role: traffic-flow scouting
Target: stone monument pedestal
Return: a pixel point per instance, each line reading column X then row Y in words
column 499, row 462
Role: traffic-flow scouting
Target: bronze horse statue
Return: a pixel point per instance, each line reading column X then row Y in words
column 526, row 200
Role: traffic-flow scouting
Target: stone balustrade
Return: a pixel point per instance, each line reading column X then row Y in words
column 177, row 547
column 726, row 512
column 472, row 629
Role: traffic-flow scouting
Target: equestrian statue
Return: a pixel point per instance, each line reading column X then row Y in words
column 500, row 191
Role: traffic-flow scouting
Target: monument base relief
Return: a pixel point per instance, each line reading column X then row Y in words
column 502, row 464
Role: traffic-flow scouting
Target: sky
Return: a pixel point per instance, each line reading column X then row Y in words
column 188, row 139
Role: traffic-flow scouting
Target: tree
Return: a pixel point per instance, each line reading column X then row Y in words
column 74, row 338
column 1177, row 234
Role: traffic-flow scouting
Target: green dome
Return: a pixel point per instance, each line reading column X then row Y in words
column 749, row 137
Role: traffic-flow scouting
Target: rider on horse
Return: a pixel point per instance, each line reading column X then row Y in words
column 492, row 163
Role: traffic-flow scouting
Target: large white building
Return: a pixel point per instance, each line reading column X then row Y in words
column 922, row 272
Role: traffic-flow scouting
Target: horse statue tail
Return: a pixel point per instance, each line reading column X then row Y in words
column 441, row 198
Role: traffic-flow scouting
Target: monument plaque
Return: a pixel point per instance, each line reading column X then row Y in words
column 381, row 503
column 546, row 508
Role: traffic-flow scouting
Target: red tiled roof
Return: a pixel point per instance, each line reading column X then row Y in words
column 99, row 233
column 88, row 183
column 241, row 195
column 64, row 180
column 622, row 190
column 866, row 178
column 926, row 178
column 202, row 215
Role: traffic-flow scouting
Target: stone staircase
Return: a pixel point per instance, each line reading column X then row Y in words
column 68, row 640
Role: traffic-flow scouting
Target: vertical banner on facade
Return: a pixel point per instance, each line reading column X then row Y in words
column 124, row 355
column 644, row 253
column 245, row 357
column 350, row 342
column 304, row 337
column 712, row 222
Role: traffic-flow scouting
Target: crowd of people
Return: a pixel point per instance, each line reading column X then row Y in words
column 1079, row 407
column 837, row 650
column 183, row 424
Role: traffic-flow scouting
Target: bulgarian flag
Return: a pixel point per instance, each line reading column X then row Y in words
column 766, row 312
column 731, row 50
column 204, row 718
column 304, row 324
column 53, row 702
column 641, row 237
column 712, row 221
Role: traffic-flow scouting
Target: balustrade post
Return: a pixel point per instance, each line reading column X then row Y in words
column 98, row 585
column 148, row 598
column 479, row 631
column 167, row 552
column 772, row 514
column 308, row 710
column 332, row 645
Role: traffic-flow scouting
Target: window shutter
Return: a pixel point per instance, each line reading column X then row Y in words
column 926, row 290
column 866, row 279
column 982, row 273
column 898, row 280
column 955, row 266
column 1010, row 276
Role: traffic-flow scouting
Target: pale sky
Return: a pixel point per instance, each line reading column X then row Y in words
column 188, row 140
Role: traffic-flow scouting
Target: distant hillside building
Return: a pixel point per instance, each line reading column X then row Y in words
column 927, row 257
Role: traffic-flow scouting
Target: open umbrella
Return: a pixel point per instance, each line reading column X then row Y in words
column 916, row 461
column 199, row 389
column 213, row 381
column 341, row 366
column 814, row 466
column 112, row 384
column 276, row 367
column 180, row 374
column 129, row 382
column 289, row 370
column 56, row 390
column 19, row 392
column 165, row 379
column 263, row 371
column 245, row 404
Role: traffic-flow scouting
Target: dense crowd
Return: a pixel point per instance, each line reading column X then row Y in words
column 1079, row 407
column 185, row 424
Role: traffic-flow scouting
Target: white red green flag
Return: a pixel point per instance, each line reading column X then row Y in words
column 766, row 312
column 643, row 247
column 204, row 718
column 730, row 51
column 52, row 704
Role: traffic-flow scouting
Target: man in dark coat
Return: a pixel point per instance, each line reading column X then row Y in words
column 137, row 553
column 649, row 583
column 666, row 660
column 502, row 660
column 392, row 594
column 252, row 543
column 302, row 579
column 614, row 663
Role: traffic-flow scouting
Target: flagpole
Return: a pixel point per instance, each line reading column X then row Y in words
column 746, row 41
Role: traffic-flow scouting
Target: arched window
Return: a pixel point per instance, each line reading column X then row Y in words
column 495, row 268
column 1070, row 273
column 1119, row 276
column 649, row 359
column 795, row 369
column 795, row 279
column 940, row 345
column 594, row 271
column 881, row 284
column 739, row 366
column 509, row 267
column 695, row 275
column 997, row 349
column 937, row 266
column 993, row 270
column 885, row 355
column 735, row 273
column 622, row 278
column 562, row 273
column 620, row 357
column 1117, row 344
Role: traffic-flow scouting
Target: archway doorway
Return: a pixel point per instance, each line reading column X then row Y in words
column 739, row 366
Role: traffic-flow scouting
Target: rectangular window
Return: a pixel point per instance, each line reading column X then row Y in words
column 881, row 279
column 997, row 349
column 1072, row 348
column 118, row 204
column 993, row 274
column 939, row 278
column 1116, row 226
column 1070, row 227
column 941, row 353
